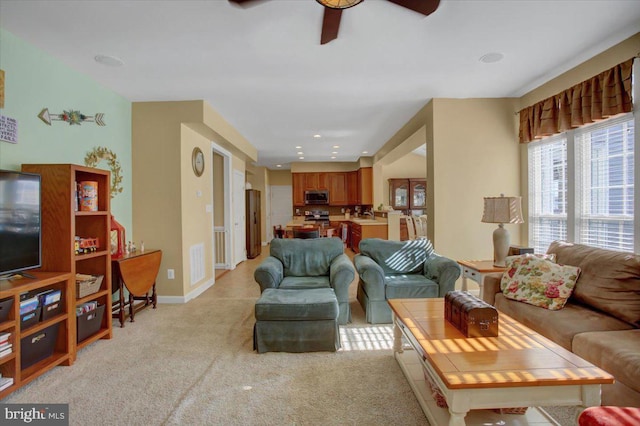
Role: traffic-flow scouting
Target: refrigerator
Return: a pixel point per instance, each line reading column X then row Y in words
column 253, row 231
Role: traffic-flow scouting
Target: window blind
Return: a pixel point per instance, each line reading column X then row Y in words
column 547, row 192
column 605, row 184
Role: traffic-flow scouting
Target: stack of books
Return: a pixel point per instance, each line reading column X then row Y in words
column 5, row 382
column 6, row 347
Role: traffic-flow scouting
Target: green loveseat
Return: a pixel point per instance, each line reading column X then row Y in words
column 399, row 270
column 298, row 264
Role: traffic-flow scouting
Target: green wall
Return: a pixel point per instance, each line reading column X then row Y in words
column 35, row 80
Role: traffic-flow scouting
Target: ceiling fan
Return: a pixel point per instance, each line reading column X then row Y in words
column 333, row 12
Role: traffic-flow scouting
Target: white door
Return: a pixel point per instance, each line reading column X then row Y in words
column 239, row 243
column 281, row 204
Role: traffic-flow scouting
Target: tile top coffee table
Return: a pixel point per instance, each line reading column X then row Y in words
column 519, row 368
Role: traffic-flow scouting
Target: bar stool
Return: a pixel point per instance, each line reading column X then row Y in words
column 278, row 231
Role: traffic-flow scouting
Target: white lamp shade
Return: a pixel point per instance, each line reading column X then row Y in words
column 502, row 210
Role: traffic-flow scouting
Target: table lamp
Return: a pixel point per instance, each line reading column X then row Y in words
column 502, row 210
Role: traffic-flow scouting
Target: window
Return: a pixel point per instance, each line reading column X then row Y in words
column 547, row 192
column 604, row 177
column 581, row 187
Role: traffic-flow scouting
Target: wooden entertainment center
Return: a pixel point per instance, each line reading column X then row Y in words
column 60, row 224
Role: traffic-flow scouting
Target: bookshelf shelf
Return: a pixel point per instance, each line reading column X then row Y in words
column 11, row 365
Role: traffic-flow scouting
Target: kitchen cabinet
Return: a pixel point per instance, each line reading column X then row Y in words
column 345, row 188
column 360, row 232
column 316, row 180
column 365, row 186
column 408, row 195
column 338, row 193
column 399, row 194
column 298, row 180
column 352, row 188
column 417, row 194
column 356, row 237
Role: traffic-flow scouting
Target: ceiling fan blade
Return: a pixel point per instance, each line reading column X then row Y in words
column 426, row 7
column 330, row 25
column 245, row 3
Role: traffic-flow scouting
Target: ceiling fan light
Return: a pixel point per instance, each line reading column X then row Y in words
column 339, row 4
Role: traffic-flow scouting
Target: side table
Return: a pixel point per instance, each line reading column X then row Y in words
column 477, row 270
column 137, row 273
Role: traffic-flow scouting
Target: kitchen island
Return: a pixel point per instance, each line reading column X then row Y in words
column 358, row 228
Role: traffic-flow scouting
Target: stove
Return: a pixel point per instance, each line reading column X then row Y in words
column 317, row 216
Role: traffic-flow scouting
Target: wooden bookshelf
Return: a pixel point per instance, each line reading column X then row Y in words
column 62, row 221
column 11, row 365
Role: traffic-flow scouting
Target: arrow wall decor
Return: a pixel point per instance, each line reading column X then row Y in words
column 72, row 117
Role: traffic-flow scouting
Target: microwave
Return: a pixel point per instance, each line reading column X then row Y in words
column 316, row 197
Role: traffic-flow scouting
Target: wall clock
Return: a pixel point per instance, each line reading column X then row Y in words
column 197, row 161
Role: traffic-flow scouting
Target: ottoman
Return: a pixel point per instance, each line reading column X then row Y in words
column 609, row 416
column 296, row 321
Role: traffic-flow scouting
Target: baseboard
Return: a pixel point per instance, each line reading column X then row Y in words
column 191, row 295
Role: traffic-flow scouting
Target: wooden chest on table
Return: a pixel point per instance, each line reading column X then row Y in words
column 472, row 316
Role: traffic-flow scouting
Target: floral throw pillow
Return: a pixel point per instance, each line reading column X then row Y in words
column 538, row 281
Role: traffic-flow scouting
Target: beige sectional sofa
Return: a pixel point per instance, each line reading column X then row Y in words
column 601, row 320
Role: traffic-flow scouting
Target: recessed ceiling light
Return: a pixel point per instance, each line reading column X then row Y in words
column 110, row 61
column 365, row 152
column 278, row 165
column 334, row 152
column 317, row 136
column 336, row 146
column 333, row 158
column 298, row 147
column 301, row 158
column 300, row 153
column 492, row 57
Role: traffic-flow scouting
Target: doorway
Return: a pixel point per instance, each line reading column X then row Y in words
column 281, row 200
column 238, row 197
column 222, row 205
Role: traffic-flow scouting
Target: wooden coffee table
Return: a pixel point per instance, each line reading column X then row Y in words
column 519, row 368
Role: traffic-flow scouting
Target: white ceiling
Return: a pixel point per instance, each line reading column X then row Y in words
column 264, row 70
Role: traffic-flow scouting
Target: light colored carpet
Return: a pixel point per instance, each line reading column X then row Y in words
column 194, row 364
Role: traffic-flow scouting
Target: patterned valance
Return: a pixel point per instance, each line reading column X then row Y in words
column 600, row 97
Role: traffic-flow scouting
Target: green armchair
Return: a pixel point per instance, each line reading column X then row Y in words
column 400, row 269
column 299, row 264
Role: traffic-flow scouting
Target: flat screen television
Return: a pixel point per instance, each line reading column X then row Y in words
column 20, row 235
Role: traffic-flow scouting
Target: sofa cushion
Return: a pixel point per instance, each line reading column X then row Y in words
column 289, row 305
column 617, row 352
column 397, row 257
column 310, row 258
column 538, row 282
column 559, row 326
column 410, row 287
column 609, row 281
column 305, row 282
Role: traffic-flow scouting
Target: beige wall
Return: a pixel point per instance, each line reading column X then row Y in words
column 196, row 194
column 469, row 162
column 409, row 166
column 169, row 201
column 280, row 177
column 463, row 164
